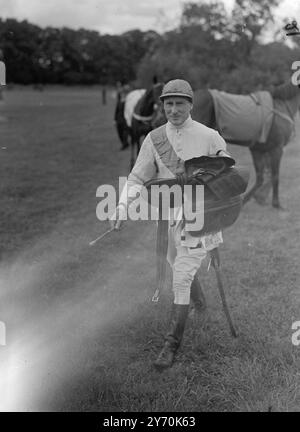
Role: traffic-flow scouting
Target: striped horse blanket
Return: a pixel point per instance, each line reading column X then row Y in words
column 243, row 118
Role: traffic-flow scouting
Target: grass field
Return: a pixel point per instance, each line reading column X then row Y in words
column 81, row 329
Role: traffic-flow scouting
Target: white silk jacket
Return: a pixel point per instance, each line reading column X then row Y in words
column 191, row 139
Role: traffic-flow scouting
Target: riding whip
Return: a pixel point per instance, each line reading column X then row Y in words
column 101, row 237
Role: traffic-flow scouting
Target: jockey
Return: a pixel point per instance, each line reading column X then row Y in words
column 188, row 139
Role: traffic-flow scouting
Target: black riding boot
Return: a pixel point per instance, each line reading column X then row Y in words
column 197, row 295
column 174, row 336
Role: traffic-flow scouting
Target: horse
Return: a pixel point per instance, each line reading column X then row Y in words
column 142, row 118
column 133, row 116
column 140, row 123
column 286, row 101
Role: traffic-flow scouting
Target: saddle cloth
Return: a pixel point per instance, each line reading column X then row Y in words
column 243, row 117
column 131, row 100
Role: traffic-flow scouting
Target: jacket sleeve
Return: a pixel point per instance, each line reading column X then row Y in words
column 218, row 145
column 144, row 169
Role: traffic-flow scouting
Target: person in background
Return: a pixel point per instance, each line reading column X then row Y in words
column 119, row 119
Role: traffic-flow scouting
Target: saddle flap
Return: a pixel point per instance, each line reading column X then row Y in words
column 232, row 182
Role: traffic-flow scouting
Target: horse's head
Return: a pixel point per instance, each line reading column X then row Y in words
column 156, row 92
column 158, row 115
column 158, row 118
column 150, row 99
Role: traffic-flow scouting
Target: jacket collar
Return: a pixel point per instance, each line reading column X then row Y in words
column 184, row 125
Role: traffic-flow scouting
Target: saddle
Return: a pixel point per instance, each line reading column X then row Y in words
column 223, row 186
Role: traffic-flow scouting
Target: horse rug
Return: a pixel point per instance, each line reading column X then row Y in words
column 131, row 100
column 242, row 118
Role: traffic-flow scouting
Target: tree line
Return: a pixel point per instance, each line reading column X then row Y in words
column 65, row 56
column 210, row 47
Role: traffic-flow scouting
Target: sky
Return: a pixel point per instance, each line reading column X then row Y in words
column 113, row 16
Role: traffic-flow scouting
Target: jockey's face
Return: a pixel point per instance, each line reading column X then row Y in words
column 177, row 109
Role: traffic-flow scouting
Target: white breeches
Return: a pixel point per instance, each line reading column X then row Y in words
column 184, row 262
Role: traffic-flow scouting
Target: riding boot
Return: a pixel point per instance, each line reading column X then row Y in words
column 197, row 295
column 173, row 337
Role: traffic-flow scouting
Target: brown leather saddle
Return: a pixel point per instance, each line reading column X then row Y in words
column 223, row 186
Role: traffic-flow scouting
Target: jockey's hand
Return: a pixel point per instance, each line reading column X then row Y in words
column 118, row 218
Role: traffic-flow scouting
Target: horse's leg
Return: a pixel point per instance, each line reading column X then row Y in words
column 275, row 157
column 126, row 136
column 120, row 132
column 261, row 194
column 258, row 161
